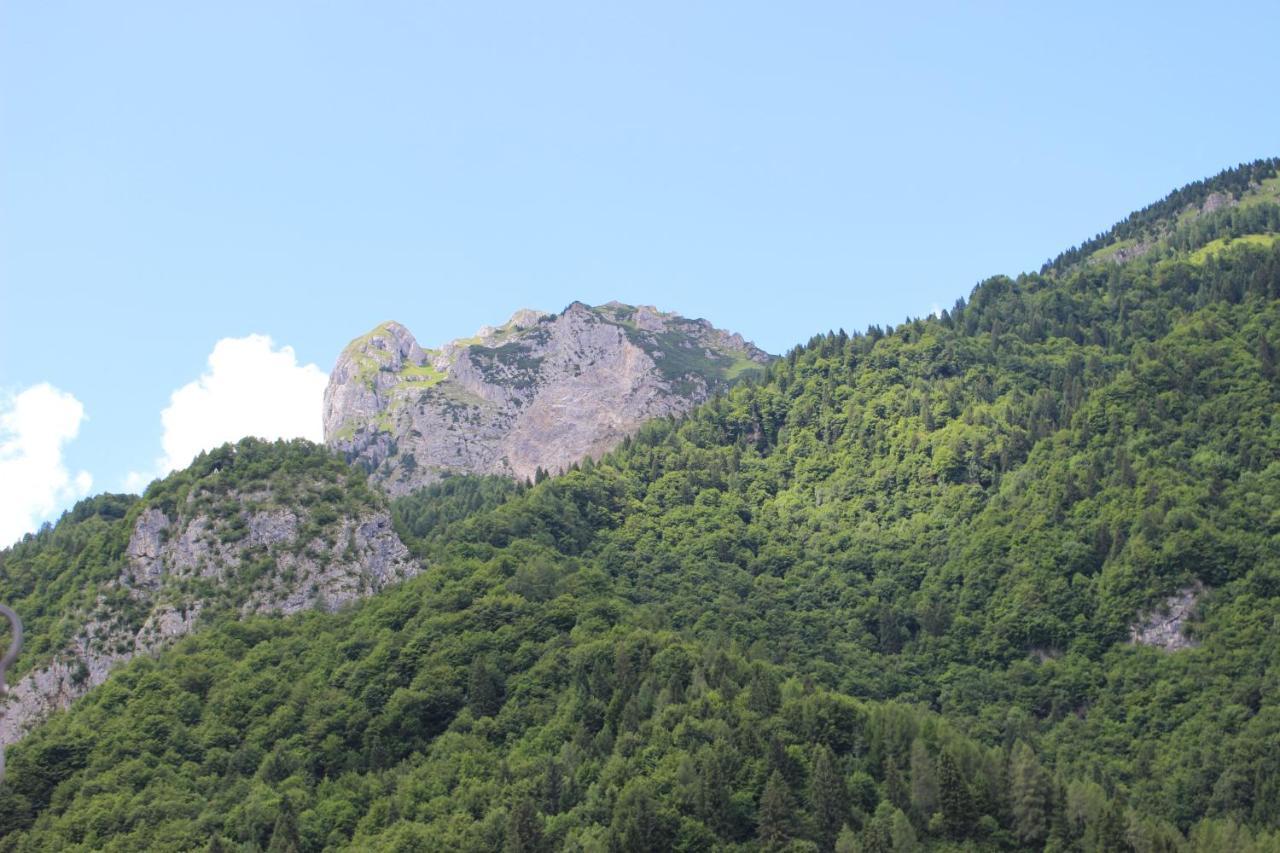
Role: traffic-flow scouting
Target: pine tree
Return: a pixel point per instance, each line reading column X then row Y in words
column 714, row 795
column 828, row 797
column 924, row 782
column 847, row 841
column 958, row 816
column 887, row 631
column 765, row 696
column 780, row 760
column 1266, row 357
column 902, row 833
column 484, row 689
column 1030, row 793
column 524, row 828
column 895, row 787
column 774, row 818
column 284, row 837
column 876, row 835
column 552, row 787
column 1107, row 832
column 638, row 825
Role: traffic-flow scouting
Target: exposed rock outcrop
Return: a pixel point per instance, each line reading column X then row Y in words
column 541, row 391
column 1165, row 626
column 1217, row 201
column 258, row 560
column 1124, row 254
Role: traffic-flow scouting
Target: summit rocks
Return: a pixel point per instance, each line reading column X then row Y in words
column 540, row 391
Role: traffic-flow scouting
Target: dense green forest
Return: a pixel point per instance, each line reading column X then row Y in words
column 878, row 599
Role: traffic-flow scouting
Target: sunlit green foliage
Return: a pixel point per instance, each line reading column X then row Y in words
column 878, row 600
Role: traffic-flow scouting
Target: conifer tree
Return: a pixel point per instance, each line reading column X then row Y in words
column 765, row 695
column 524, row 828
column 958, row 816
column 828, row 797
column 484, row 689
column 902, row 833
column 284, row 837
column 876, row 838
column 552, row 787
column 924, row 782
column 773, row 825
column 1266, row 357
column 1031, row 793
column 847, row 841
column 714, row 789
column 638, row 825
column 1107, row 833
column 895, row 787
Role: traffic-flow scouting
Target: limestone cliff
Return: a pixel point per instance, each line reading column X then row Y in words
column 281, row 543
column 541, row 391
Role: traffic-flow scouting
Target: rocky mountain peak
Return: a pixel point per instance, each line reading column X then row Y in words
column 521, row 319
column 540, row 391
column 389, row 345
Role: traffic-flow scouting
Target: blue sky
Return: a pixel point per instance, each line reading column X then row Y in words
column 175, row 174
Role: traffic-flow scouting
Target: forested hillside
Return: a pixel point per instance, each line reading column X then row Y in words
column 880, row 599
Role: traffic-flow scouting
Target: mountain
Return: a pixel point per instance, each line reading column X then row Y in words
column 1006, row 578
column 542, row 391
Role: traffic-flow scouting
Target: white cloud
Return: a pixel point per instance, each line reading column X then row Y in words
column 34, row 480
column 251, row 388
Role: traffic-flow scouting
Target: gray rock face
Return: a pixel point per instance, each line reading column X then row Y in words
column 541, row 391
column 1165, row 626
column 1217, row 201
column 349, row 559
column 1128, row 253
